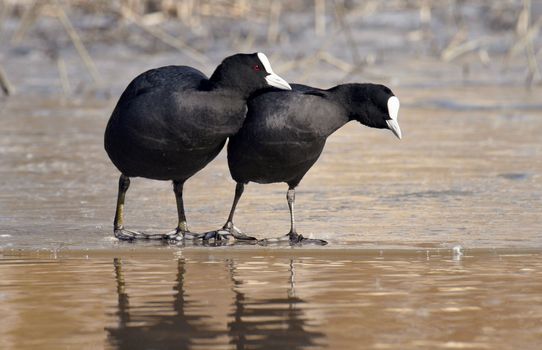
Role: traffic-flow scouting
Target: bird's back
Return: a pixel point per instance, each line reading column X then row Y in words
column 145, row 96
column 172, row 78
column 166, row 125
column 283, row 135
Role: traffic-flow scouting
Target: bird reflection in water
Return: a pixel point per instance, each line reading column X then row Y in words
column 158, row 330
column 277, row 323
column 271, row 323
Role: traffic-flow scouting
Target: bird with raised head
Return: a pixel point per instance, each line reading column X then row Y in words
column 170, row 122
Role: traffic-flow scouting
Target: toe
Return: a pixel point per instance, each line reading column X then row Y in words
column 315, row 241
column 242, row 237
column 223, row 236
column 190, row 235
column 209, row 235
column 124, row 235
column 171, row 235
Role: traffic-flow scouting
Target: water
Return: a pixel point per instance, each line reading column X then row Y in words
column 434, row 240
column 271, row 299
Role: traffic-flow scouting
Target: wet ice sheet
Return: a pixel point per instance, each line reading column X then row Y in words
column 224, row 299
column 467, row 176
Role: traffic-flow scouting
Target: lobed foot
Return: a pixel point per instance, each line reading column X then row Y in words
column 129, row 235
column 217, row 235
column 293, row 238
column 229, row 230
column 179, row 235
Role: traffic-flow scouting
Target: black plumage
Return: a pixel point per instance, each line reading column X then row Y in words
column 170, row 122
column 285, row 132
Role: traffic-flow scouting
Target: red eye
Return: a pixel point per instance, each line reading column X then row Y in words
column 256, row 67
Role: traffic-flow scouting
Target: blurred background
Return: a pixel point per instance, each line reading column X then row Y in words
column 76, row 47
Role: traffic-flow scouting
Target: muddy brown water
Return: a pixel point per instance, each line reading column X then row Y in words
column 466, row 176
column 223, row 299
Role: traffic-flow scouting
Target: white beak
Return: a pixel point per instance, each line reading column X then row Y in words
column 393, row 110
column 394, row 126
column 276, row 81
column 273, row 79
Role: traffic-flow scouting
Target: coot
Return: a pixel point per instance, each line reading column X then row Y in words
column 285, row 132
column 170, row 122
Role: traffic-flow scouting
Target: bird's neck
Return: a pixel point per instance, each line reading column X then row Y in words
column 355, row 100
column 230, row 84
column 343, row 115
column 221, row 88
column 331, row 113
column 338, row 119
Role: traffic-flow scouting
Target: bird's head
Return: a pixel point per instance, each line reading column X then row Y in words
column 248, row 73
column 372, row 105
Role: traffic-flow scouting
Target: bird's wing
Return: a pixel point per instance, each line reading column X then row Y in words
column 301, row 116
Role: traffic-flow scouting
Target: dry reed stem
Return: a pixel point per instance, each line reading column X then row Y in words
column 30, row 15
column 78, row 43
column 63, row 74
column 167, row 38
column 152, row 19
column 340, row 14
column 268, row 13
column 320, row 17
column 461, row 49
column 248, row 43
column 458, row 39
column 5, row 10
column 526, row 35
column 336, row 62
column 525, row 39
column 6, row 86
column 274, row 17
column 34, row 11
column 483, row 54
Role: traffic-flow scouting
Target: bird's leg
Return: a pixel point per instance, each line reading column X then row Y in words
column 118, row 225
column 293, row 237
column 290, row 197
column 181, row 231
column 229, row 228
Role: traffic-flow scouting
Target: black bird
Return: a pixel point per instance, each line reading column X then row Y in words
column 285, row 132
column 170, row 122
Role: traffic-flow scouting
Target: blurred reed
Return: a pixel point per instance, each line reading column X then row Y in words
column 332, row 19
